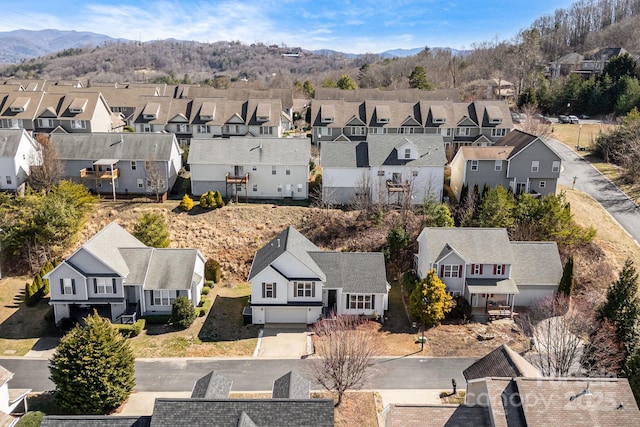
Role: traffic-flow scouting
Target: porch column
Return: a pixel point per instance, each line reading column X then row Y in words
column 513, row 298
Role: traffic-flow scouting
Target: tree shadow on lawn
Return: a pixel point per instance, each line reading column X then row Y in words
column 225, row 322
column 28, row 322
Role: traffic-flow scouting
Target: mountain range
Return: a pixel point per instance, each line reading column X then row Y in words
column 25, row 44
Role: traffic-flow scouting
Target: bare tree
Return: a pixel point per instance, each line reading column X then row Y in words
column 558, row 328
column 47, row 168
column 345, row 346
column 362, row 200
column 155, row 178
column 604, row 356
column 535, row 123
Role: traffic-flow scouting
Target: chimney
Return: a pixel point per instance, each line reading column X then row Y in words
column 278, row 242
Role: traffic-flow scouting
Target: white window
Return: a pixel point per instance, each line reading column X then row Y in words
column 463, row 131
column 255, row 187
column 407, row 130
column 475, row 269
column 140, row 183
column 146, row 127
column 78, row 124
column 376, row 131
column 279, row 188
column 163, row 297
column 325, row 131
column 498, row 132
column 203, row 129
column 380, row 173
column 104, row 285
column 407, row 153
column 543, row 184
column 8, row 180
column 68, row 287
column 414, row 173
column 499, row 269
column 304, row 289
column 235, row 129
column 357, row 130
column 183, row 128
column 254, row 168
column 535, row 166
column 134, row 165
column 266, row 130
column 299, row 188
column 450, row 270
column 498, row 165
column 444, row 131
column 45, row 123
column 268, row 290
column 474, row 165
column 361, row 302
column 287, row 170
column 274, row 170
column 238, row 187
column 555, row 167
column 13, row 123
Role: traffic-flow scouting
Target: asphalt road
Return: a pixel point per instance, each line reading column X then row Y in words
column 578, row 173
column 256, row 374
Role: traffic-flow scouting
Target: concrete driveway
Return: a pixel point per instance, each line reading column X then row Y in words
column 283, row 342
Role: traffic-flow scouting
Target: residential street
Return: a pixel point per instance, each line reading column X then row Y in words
column 590, row 181
column 255, row 374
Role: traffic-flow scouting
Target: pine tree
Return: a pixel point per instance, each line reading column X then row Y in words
column 566, row 282
column 151, row 230
column 622, row 307
column 93, row 368
column 429, row 301
column 496, row 209
column 418, row 79
column 182, row 313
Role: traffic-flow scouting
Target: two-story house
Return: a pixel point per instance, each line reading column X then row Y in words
column 120, row 277
column 388, row 168
column 121, row 163
column 293, row 281
column 251, row 168
column 18, row 153
column 489, row 271
column 520, row 161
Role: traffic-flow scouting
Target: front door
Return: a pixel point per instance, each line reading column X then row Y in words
column 238, row 170
column 331, row 300
column 521, row 187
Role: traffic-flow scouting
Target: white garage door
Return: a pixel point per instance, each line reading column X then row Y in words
column 286, row 315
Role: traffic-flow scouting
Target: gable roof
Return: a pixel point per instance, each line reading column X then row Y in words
column 227, row 413
column 289, row 240
column 536, row 263
column 212, row 386
column 291, row 386
column 501, row 362
column 121, row 146
column 10, row 141
column 250, row 151
column 403, row 415
column 516, row 139
column 475, row 245
column 354, row 272
column 160, row 268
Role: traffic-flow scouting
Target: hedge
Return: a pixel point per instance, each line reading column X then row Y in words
column 204, row 308
column 131, row 330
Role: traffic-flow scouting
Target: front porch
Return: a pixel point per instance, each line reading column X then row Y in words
column 491, row 299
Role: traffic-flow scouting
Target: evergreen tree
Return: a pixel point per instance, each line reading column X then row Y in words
column 92, row 369
column 566, row 282
column 208, row 200
column 429, row 301
column 418, row 79
column 622, row 307
column 632, row 372
column 182, row 312
column 345, row 82
column 151, row 230
column 218, row 198
column 496, row 209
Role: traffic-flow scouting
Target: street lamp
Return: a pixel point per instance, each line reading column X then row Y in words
column 579, row 131
column 425, row 301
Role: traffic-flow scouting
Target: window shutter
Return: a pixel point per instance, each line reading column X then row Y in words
column 113, row 284
column 313, row 289
column 442, row 270
column 504, row 268
column 152, row 298
column 73, row 286
column 480, row 268
column 373, row 302
column 95, row 285
column 264, row 290
column 347, row 298
column 473, row 266
column 275, row 286
column 62, row 286
column 495, row 266
column 460, row 270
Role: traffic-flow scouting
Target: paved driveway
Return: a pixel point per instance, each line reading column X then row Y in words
column 283, row 343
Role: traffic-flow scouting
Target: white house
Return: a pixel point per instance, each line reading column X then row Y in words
column 488, row 270
column 12, row 401
column 18, row 152
column 254, row 168
column 117, row 275
column 390, row 168
column 293, row 281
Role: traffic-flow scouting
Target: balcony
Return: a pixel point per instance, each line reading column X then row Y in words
column 395, row 186
column 94, row 174
column 237, row 179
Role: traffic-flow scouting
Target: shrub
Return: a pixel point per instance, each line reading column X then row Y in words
column 209, row 283
column 31, row 419
column 131, row 331
column 218, row 198
column 204, row 309
column 151, row 230
column 212, row 270
column 206, row 290
column 208, row 200
column 187, row 203
column 183, row 313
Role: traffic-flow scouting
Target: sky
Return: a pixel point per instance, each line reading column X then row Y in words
column 353, row 26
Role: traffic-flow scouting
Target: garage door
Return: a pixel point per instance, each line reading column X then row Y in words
column 286, row 315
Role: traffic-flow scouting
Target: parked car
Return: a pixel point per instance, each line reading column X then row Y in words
column 574, row 120
column 515, row 117
column 563, row 119
column 543, row 119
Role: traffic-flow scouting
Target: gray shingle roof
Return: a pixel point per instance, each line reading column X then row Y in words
column 291, row 386
column 354, row 272
column 247, row 151
column 227, row 413
column 501, row 362
column 536, row 263
column 10, row 141
column 171, row 268
column 438, row 415
column 475, row 245
column 94, row 421
column 122, row 146
column 212, row 386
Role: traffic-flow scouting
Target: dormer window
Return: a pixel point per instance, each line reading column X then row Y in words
column 494, row 114
column 19, row 105
column 383, row 114
column 407, row 153
column 78, row 105
column 151, row 111
column 327, row 114
column 263, row 112
column 438, row 114
column 207, row 111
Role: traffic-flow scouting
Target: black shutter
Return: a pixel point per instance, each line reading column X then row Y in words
column 275, row 286
column 373, row 302
column 313, row 289
column 62, row 286
column 264, row 290
column 347, row 298
column 152, row 301
column 73, row 286
column 95, row 285
column 113, row 284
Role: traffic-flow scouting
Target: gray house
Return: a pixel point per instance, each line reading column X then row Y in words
column 520, row 161
column 121, row 163
column 117, row 275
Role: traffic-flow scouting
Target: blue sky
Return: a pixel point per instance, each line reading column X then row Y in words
column 355, row 26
